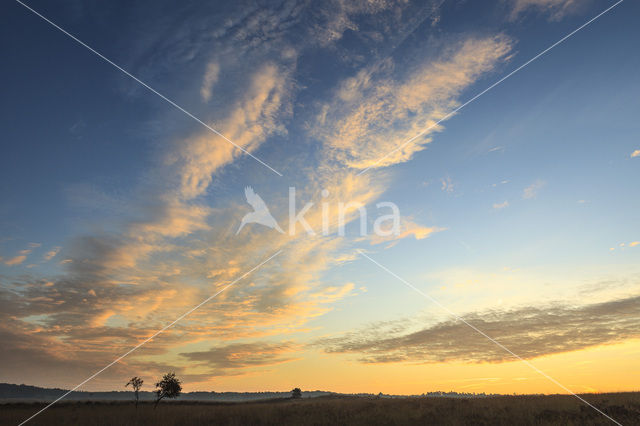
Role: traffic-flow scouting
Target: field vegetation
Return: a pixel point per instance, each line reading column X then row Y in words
column 495, row 410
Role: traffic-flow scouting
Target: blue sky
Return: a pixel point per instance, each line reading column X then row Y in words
column 119, row 211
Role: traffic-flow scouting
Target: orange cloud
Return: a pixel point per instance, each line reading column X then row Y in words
column 52, row 253
column 408, row 228
column 16, row 260
column 247, row 125
column 372, row 115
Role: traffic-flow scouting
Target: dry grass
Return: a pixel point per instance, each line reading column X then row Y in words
column 503, row 410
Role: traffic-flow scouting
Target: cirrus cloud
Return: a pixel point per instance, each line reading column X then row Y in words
column 529, row 332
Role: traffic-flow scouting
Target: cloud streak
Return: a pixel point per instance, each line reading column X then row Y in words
column 529, row 332
column 209, row 80
column 242, row 356
column 555, row 9
column 500, row 206
column 373, row 113
column 532, row 190
column 51, row 253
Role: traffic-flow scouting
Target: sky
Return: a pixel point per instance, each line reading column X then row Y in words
column 120, row 205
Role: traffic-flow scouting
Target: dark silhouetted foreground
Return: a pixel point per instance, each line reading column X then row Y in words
column 501, row 410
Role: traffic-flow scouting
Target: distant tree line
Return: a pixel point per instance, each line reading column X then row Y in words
column 171, row 387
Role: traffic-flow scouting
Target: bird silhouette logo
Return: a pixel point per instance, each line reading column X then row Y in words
column 260, row 213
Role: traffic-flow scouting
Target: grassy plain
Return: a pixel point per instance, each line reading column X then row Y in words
column 342, row 410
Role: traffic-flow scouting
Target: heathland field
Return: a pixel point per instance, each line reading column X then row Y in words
column 499, row 410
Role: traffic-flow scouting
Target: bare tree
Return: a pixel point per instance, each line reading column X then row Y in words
column 136, row 383
column 168, row 387
column 296, row 393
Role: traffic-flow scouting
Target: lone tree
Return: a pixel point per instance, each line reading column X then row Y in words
column 136, row 383
column 168, row 387
column 296, row 393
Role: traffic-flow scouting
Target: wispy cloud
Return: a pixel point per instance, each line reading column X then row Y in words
column 372, row 113
column 22, row 255
column 333, row 18
column 408, row 228
column 248, row 124
column 503, row 182
column 209, row 80
column 16, row 260
column 446, row 184
column 500, row 206
column 635, row 153
column 242, row 356
column 528, row 331
column 52, row 253
column 532, row 190
column 555, row 9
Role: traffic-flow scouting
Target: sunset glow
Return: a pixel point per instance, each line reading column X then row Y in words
column 310, row 194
